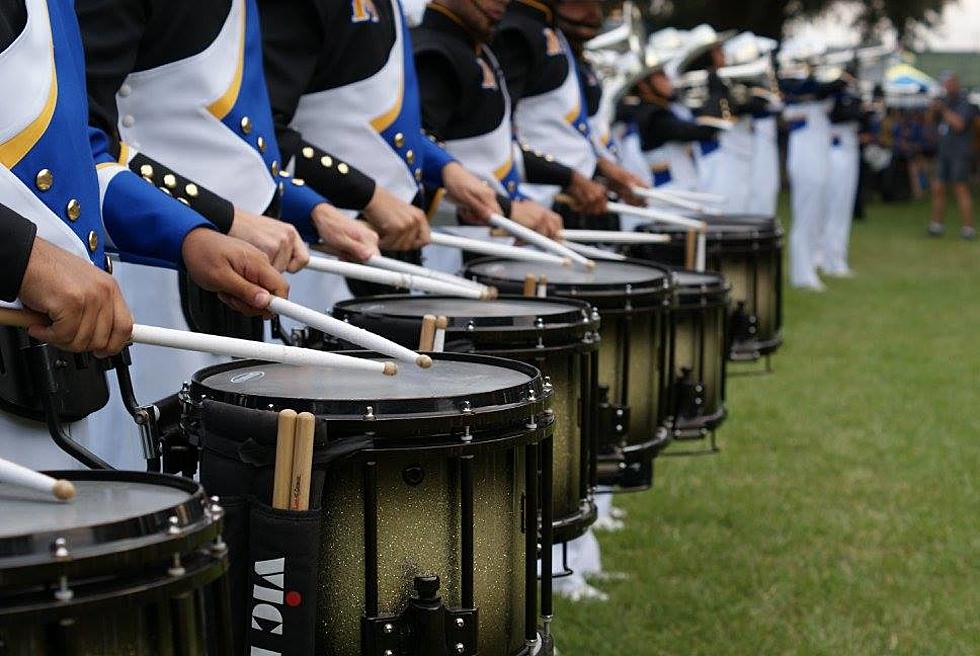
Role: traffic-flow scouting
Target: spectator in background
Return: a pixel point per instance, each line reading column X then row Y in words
column 954, row 115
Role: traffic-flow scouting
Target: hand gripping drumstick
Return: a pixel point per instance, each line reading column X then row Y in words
column 391, row 264
column 11, row 472
column 285, row 429
column 397, row 279
column 497, row 250
column 229, row 346
column 539, row 240
column 347, row 332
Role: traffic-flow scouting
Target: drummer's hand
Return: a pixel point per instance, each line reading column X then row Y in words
column 240, row 273
column 346, row 238
column 536, row 217
column 621, row 181
column 277, row 239
column 86, row 308
column 476, row 200
column 589, row 196
column 401, row 225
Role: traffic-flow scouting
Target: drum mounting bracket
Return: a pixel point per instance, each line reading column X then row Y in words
column 425, row 628
column 614, row 419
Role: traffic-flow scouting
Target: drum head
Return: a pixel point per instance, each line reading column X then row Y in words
column 116, row 520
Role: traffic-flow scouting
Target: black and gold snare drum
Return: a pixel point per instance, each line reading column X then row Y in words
column 748, row 251
column 555, row 335
column 425, row 493
column 632, row 299
column 134, row 564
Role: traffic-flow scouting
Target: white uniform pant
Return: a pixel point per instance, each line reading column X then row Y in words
column 808, row 163
column 765, row 167
column 841, row 192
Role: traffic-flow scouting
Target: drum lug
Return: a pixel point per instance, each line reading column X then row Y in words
column 426, row 626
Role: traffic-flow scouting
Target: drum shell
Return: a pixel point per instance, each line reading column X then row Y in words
column 560, row 347
column 750, row 259
column 699, row 338
column 125, row 595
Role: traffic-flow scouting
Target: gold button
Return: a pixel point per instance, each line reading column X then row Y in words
column 191, row 189
column 93, row 240
column 343, row 168
column 246, row 125
column 260, row 142
column 410, row 156
column 146, row 171
column 166, row 191
column 511, row 186
column 418, row 175
column 44, row 179
column 184, row 201
column 308, row 152
column 581, row 128
column 274, row 168
column 74, row 209
column 327, row 161
column 399, row 140
column 299, row 182
column 283, row 174
column 549, row 158
column 170, row 180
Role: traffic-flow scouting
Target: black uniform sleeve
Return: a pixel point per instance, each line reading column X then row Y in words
column 208, row 204
column 541, row 169
column 438, row 90
column 292, row 38
column 659, row 127
column 515, row 56
column 16, row 241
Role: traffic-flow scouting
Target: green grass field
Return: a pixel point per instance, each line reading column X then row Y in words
column 842, row 515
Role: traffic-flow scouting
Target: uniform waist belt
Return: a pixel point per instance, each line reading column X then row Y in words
column 708, row 147
column 797, row 124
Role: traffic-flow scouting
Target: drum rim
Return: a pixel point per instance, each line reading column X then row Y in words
column 571, row 326
column 604, row 296
column 490, row 412
column 716, row 228
column 144, row 538
column 717, row 290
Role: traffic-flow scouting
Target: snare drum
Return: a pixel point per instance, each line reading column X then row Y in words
column 129, row 566
column 632, row 298
column 698, row 338
column 556, row 336
column 748, row 251
column 429, row 503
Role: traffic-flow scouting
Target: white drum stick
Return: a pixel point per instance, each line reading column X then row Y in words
column 230, row 346
column 396, row 279
column 656, row 215
column 701, row 252
column 439, row 343
column 665, row 197
column 11, row 472
column 391, row 264
column 531, row 237
column 347, row 332
column 497, row 250
column 243, row 348
column 614, row 236
column 702, row 196
column 593, row 252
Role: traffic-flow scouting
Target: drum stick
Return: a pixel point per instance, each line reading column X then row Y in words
column 391, row 264
column 229, row 346
column 299, row 487
column 347, row 332
column 535, row 239
column 497, row 250
column 427, row 337
column 703, row 196
column 614, row 236
column 701, row 252
column 396, row 279
column 690, row 249
column 594, row 253
column 11, row 472
column 439, row 343
column 530, row 285
column 284, row 458
column 656, row 215
column 670, row 199
column 542, row 287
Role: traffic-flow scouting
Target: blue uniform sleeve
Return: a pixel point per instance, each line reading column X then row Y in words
column 298, row 201
column 143, row 223
column 434, row 160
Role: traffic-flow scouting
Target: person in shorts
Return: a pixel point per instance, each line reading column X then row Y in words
column 954, row 116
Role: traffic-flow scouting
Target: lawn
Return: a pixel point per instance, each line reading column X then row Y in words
column 842, row 515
